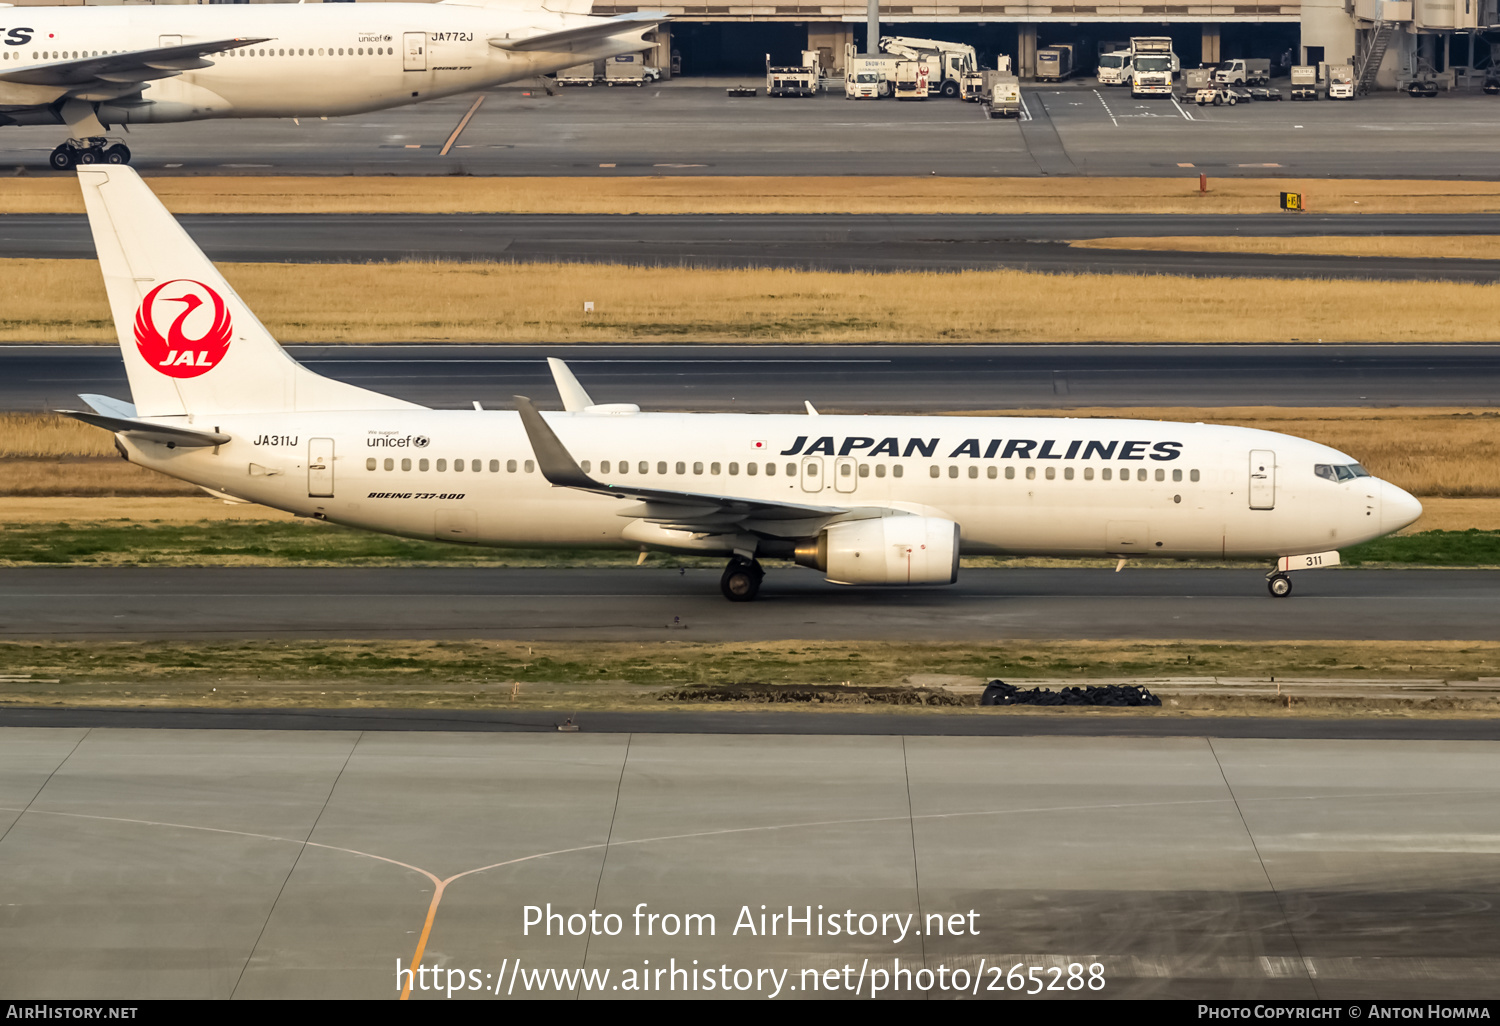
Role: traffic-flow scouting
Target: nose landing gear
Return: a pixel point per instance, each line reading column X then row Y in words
column 741, row 580
column 93, row 150
column 1279, row 585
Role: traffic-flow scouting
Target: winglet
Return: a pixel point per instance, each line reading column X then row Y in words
column 553, row 459
column 574, row 398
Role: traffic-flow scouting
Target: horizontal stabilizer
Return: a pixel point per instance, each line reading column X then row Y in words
column 567, row 39
column 149, row 431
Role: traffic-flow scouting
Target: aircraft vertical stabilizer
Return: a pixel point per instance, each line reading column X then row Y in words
column 190, row 344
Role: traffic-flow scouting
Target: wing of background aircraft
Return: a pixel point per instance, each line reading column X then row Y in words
column 118, row 74
column 583, row 36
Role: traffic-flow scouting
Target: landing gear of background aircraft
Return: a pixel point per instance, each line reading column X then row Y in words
column 741, row 580
column 1279, row 585
column 95, row 150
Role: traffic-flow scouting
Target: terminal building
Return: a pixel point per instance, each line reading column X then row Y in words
column 1450, row 39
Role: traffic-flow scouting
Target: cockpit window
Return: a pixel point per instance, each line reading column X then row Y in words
column 1339, row 472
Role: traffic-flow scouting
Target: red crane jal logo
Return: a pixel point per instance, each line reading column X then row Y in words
column 203, row 312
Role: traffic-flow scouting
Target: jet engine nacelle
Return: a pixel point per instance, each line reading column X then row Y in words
column 886, row 550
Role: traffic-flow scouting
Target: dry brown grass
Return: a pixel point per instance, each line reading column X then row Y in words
column 86, row 476
column 49, row 434
column 811, row 195
column 52, row 301
column 142, row 509
column 1417, row 247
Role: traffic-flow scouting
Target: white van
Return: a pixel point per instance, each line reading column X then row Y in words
column 1114, row 68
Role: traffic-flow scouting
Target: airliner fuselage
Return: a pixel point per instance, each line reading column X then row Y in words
column 277, row 60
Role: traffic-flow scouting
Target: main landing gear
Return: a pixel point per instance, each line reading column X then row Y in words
column 1279, row 584
column 93, row 150
column 741, row 580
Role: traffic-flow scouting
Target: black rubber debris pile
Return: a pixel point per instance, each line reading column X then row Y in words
column 826, row 694
column 1001, row 693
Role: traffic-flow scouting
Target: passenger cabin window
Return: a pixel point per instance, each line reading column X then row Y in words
column 585, row 466
column 1010, row 473
column 442, row 465
column 495, row 466
column 390, row 464
column 880, row 470
column 713, row 468
column 896, row 470
column 530, row 466
column 510, row 466
column 604, row 466
column 422, row 465
column 370, row 463
column 1031, row 473
column 933, row 471
column 406, row 464
column 1192, row 475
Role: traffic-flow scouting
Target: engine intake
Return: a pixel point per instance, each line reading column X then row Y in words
column 887, row 550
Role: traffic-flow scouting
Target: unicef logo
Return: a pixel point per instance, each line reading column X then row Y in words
column 420, row 441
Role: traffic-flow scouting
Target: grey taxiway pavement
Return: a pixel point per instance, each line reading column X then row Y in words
column 302, row 864
column 853, row 379
column 648, row 604
column 679, row 129
column 869, row 242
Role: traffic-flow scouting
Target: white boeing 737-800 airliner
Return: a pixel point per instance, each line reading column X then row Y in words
column 865, row 500
column 93, row 67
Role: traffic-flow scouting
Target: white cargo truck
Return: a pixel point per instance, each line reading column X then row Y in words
column 1005, row 97
column 1057, row 62
column 578, row 75
column 625, row 69
column 1341, row 82
column 1114, row 68
column 1152, row 66
column 913, row 80
column 947, row 63
column 868, row 77
column 1243, row 72
column 1304, row 82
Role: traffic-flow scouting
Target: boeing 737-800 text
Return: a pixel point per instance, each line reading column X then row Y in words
column 94, row 67
column 866, row 500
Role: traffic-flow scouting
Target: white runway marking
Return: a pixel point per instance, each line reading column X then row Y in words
column 1106, row 108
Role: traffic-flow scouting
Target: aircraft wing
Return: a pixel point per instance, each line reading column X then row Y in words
column 566, row 39
column 124, row 68
column 684, row 510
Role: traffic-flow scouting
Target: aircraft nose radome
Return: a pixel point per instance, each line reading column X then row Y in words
column 1397, row 508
